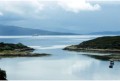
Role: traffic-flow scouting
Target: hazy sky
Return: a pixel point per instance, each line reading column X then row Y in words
column 79, row 16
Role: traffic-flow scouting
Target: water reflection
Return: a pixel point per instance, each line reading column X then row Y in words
column 112, row 58
column 3, row 75
column 99, row 57
column 62, row 65
column 111, row 64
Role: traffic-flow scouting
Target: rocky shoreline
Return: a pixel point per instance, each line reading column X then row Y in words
column 102, row 45
column 74, row 48
column 22, row 54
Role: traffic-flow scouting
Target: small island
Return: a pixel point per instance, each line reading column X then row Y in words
column 17, row 50
column 106, row 44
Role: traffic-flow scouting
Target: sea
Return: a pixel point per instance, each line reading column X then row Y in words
column 61, row 64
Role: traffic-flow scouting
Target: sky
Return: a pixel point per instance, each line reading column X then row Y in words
column 77, row 16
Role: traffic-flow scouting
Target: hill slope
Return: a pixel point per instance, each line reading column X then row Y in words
column 101, row 44
column 14, row 30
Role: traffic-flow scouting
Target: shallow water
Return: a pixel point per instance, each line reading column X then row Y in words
column 61, row 65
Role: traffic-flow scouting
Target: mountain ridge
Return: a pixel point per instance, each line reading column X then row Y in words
column 16, row 30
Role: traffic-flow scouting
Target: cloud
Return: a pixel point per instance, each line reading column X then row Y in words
column 27, row 7
column 77, row 5
column 104, row 1
column 32, row 7
column 35, row 7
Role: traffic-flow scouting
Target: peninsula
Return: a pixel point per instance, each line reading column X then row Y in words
column 17, row 50
column 106, row 44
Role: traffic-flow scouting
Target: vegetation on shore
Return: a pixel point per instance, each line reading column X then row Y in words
column 107, row 44
column 14, row 47
column 17, row 50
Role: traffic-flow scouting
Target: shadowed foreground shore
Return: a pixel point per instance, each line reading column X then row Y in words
column 3, row 75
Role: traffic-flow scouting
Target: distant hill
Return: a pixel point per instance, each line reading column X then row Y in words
column 106, row 33
column 14, row 30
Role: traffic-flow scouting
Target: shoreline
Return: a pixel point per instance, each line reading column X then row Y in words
column 113, row 57
column 23, row 54
column 105, row 44
column 18, row 50
column 114, row 53
column 74, row 48
column 13, row 53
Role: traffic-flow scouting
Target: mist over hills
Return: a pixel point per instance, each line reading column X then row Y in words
column 15, row 30
column 106, row 33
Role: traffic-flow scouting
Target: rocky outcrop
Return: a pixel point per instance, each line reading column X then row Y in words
column 3, row 75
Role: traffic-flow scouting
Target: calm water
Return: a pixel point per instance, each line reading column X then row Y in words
column 61, row 65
